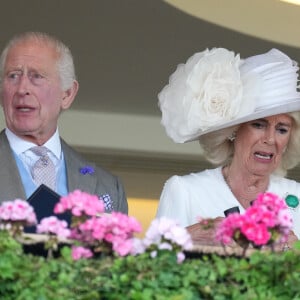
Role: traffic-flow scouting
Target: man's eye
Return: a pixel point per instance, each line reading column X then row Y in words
column 36, row 76
column 13, row 75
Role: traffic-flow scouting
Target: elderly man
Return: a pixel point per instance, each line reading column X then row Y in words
column 37, row 83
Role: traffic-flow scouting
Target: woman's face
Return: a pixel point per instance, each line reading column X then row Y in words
column 259, row 144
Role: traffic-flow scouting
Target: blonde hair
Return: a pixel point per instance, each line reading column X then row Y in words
column 217, row 147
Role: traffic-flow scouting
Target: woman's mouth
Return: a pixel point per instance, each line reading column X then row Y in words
column 264, row 155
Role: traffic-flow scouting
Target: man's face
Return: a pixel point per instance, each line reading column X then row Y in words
column 32, row 97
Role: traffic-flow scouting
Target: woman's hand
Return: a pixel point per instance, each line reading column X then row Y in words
column 204, row 232
column 292, row 238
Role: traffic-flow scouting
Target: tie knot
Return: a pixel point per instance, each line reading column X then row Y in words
column 43, row 170
column 39, row 150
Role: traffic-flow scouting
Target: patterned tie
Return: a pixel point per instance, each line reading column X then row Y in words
column 43, row 171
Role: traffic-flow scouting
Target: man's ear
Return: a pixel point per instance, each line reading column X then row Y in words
column 69, row 95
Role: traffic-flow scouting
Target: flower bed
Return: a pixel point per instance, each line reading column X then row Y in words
column 161, row 266
column 260, row 276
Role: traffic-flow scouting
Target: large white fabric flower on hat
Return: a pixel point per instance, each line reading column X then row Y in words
column 203, row 93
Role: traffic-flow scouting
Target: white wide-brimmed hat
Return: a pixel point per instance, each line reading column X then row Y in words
column 216, row 89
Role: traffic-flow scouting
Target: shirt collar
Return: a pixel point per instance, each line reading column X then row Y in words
column 20, row 146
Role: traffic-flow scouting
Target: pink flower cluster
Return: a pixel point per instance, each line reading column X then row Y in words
column 165, row 234
column 17, row 211
column 79, row 252
column 96, row 229
column 267, row 221
column 52, row 225
column 80, row 203
column 115, row 229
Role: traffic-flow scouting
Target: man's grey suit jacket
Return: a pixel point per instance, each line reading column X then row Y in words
column 98, row 183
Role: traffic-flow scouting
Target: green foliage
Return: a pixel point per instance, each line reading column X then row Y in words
column 266, row 276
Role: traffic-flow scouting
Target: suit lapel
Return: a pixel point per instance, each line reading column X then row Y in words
column 76, row 180
column 11, row 186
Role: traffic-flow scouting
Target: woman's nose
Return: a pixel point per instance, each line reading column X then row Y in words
column 270, row 137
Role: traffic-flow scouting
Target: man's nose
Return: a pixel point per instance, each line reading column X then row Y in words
column 23, row 87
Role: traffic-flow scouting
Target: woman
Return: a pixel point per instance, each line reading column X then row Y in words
column 245, row 115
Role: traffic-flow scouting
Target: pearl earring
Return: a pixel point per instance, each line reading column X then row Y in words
column 232, row 137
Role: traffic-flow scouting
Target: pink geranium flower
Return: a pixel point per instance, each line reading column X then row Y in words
column 94, row 228
column 17, row 211
column 15, row 215
column 267, row 221
column 80, row 203
column 79, row 252
column 108, row 232
column 52, row 225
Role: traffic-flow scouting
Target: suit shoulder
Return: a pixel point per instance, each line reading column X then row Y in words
column 72, row 156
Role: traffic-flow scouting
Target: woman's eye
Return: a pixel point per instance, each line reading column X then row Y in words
column 282, row 130
column 257, row 125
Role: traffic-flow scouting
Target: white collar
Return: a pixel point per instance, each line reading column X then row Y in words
column 20, row 146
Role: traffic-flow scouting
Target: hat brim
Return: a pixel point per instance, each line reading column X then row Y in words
column 291, row 105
